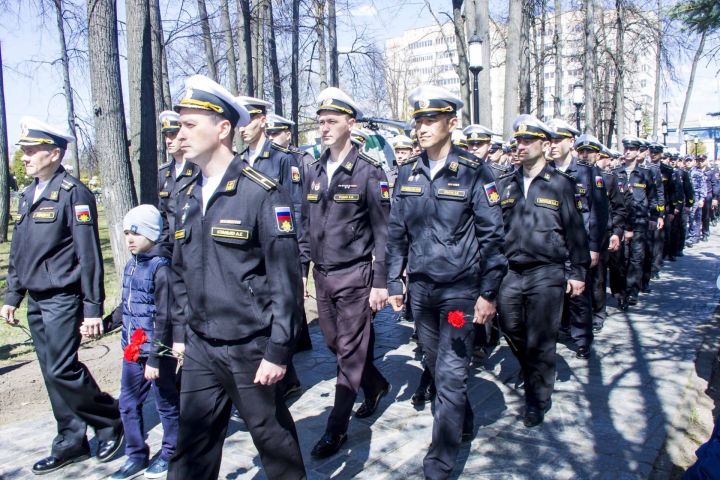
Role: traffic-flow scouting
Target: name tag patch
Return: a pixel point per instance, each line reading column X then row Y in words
column 346, row 197
column 48, row 215
column 164, row 194
column 639, row 185
column 413, row 190
column 455, row 194
column 179, row 234
column 507, row 202
column 547, row 202
column 235, row 233
column 313, row 197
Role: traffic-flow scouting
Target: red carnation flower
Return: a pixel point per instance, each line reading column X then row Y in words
column 456, row 319
column 132, row 352
column 138, row 337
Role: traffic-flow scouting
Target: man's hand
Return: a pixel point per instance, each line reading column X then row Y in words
column 305, row 291
column 575, row 288
column 268, row 373
column 701, row 204
column 660, row 223
column 670, row 216
column 8, row 313
column 594, row 259
column 178, row 349
column 151, row 373
column 714, row 202
column 614, row 245
column 396, row 302
column 92, row 327
column 628, row 235
column 378, row 298
column 485, row 311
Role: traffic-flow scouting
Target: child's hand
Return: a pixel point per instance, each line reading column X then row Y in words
column 151, row 373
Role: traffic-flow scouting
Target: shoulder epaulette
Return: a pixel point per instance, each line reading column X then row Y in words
column 313, row 161
column 643, row 167
column 67, row 185
column 507, row 174
column 165, row 165
column 369, row 160
column 501, row 168
column 584, row 163
column 257, row 177
column 565, row 174
column 468, row 162
column 280, row 148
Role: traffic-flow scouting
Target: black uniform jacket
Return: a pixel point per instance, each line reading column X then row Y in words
column 281, row 165
column 546, row 227
column 657, row 179
column 447, row 229
column 643, row 193
column 618, row 218
column 55, row 244
column 346, row 222
column 238, row 264
column 592, row 198
column 168, row 187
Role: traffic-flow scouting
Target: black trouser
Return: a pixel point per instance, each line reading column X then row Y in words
column 618, row 270
column 217, row 375
column 678, row 232
column 346, row 322
column 707, row 206
column 634, row 256
column 598, row 281
column 651, row 237
column 447, row 354
column 577, row 315
column 530, row 304
column 76, row 400
column 658, row 246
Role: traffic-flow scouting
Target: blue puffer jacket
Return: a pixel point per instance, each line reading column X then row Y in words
column 138, row 297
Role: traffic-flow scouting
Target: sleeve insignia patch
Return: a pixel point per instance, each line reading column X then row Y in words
column 284, row 219
column 384, row 191
column 82, row 213
column 492, row 193
column 295, row 174
column 599, row 181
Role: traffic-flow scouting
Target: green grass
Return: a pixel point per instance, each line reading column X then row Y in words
column 14, row 342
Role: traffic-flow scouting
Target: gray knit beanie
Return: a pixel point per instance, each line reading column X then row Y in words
column 144, row 220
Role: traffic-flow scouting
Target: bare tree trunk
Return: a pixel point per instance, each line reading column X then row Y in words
column 143, row 126
column 110, row 134
column 260, row 8
column 588, row 71
column 295, row 71
column 322, row 50
column 4, row 162
column 512, row 63
column 620, row 65
column 167, row 97
column 462, row 67
column 539, row 56
column 658, row 72
column 332, row 40
column 207, row 40
column 558, row 95
column 230, row 46
column 524, row 74
column 691, row 82
column 246, row 47
column 482, row 24
column 157, row 65
column 274, row 67
column 69, row 102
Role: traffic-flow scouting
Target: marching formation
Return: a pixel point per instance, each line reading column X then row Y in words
column 469, row 238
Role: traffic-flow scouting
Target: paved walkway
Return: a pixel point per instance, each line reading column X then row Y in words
column 610, row 415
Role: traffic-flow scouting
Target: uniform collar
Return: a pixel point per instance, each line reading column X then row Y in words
column 229, row 181
column 347, row 163
column 452, row 164
column 52, row 190
column 544, row 174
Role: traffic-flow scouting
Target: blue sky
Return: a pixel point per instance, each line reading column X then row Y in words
column 34, row 87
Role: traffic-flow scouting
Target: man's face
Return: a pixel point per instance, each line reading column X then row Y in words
column 201, row 133
column 630, row 153
column 171, row 143
column 602, row 161
column 587, row 155
column 434, row 130
column 253, row 131
column 41, row 160
column 656, row 157
column 335, row 127
column 560, row 147
column 478, row 148
column 281, row 137
column 530, row 151
column 642, row 153
column 402, row 154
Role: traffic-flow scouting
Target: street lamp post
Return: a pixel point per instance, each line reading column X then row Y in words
column 686, row 137
column 638, row 119
column 578, row 101
column 664, row 132
column 475, row 55
column 696, row 140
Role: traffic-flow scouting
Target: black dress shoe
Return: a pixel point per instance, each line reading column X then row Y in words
column 597, row 327
column 423, row 394
column 467, row 432
column 632, row 300
column 130, row 470
column 583, row 353
column 328, row 445
column 534, row 416
column 53, row 463
column 108, row 448
column 369, row 406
